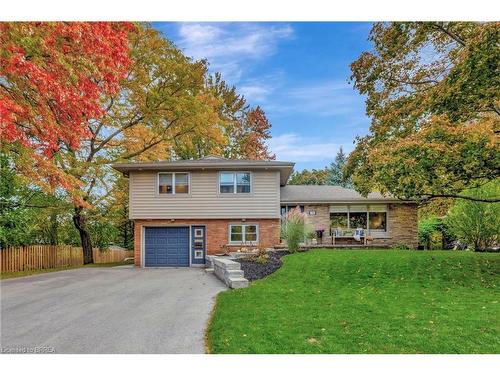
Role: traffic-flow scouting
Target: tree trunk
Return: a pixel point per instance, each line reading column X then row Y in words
column 125, row 236
column 53, row 229
column 125, row 227
column 80, row 222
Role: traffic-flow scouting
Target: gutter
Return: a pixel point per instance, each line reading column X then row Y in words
column 346, row 201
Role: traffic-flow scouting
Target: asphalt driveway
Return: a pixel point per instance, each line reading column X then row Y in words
column 108, row 310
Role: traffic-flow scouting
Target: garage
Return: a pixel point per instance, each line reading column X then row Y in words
column 166, row 247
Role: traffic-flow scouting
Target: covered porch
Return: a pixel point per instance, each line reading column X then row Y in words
column 341, row 217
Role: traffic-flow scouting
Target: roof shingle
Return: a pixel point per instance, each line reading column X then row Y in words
column 327, row 194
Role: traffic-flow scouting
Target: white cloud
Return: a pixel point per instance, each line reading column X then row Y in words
column 260, row 90
column 256, row 92
column 231, row 47
column 292, row 146
column 196, row 34
column 320, row 98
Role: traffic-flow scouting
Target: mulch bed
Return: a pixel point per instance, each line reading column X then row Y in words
column 255, row 271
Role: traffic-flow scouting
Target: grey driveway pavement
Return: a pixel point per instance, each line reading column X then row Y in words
column 109, row 310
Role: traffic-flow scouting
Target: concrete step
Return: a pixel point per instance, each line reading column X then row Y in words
column 209, row 270
column 234, row 273
column 225, row 263
column 238, row 282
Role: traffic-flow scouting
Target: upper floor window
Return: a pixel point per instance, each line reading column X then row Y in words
column 173, row 183
column 234, row 182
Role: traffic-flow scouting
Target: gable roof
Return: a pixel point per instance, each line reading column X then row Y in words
column 328, row 194
column 209, row 163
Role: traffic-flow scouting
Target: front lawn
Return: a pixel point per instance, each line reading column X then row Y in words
column 365, row 301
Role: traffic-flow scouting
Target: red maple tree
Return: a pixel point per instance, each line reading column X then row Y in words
column 257, row 131
column 53, row 76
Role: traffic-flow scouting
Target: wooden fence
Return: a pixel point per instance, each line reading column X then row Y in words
column 35, row 257
column 111, row 256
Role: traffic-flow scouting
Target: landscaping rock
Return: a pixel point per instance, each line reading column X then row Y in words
column 255, row 271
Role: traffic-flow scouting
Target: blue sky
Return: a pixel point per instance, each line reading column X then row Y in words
column 297, row 72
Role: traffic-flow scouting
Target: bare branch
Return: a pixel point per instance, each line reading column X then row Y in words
column 453, row 36
column 144, row 149
column 425, row 82
column 105, row 141
column 456, row 196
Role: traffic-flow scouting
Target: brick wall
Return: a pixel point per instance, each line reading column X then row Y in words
column 321, row 218
column 216, row 233
column 402, row 223
column 403, row 226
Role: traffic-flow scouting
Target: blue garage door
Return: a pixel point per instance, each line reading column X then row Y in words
column 167, row 247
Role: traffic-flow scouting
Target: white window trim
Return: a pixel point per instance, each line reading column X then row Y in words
column 243, row 232
column 173, row 184
column 235, row 183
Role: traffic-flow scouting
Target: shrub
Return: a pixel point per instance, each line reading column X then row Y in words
column 401, row 246
column 476, row 223
column 294, row 228
column 427, row 229
column 262, row 256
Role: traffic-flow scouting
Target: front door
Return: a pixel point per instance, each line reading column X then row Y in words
column 198, row 244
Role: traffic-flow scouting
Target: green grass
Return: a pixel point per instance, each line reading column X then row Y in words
column 365, row 301
column 10, row 275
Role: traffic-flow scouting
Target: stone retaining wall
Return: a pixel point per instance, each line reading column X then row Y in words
column 228, row 271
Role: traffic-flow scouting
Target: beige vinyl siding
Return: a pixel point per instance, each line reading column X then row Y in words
column 204, row 200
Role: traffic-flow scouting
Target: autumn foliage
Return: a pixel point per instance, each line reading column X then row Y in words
column 78, row 97
column 432, row 93
column 52, row 79
column 254, row 146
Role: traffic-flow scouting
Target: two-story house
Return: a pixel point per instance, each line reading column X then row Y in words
column 183, row 210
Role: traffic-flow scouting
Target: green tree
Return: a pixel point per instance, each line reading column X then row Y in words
column 432, row 93
column 27, row 214
column 336, row 172
column 476, row 223
column 167, row 106
column 162, row 100
column 309, row 177
column 427, row 228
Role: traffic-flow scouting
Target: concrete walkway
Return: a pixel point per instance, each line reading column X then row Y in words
column 108, row 310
